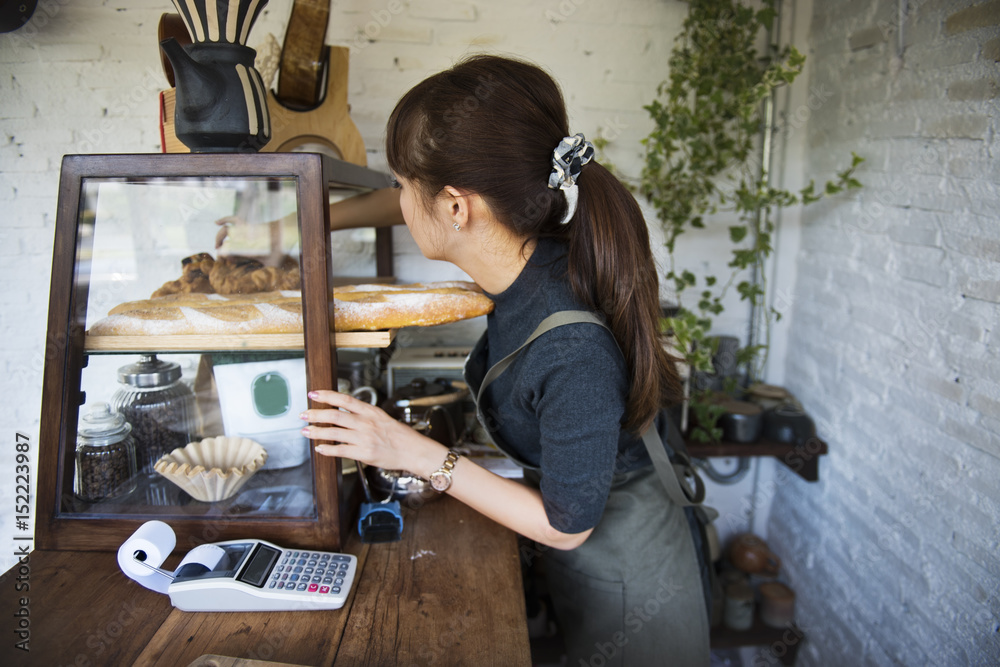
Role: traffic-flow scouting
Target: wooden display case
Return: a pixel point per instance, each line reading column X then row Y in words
column 123, row 225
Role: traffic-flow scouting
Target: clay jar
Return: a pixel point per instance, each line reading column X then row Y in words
column 221, row 99
column 749, row 553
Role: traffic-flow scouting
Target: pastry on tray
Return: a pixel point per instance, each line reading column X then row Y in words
column 231, row 274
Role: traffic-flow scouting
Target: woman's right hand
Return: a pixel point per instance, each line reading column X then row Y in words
column 365, row 433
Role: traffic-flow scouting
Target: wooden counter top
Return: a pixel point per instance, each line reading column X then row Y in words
column 449, row 593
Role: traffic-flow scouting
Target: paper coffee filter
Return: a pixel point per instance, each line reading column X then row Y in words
column 213, row 469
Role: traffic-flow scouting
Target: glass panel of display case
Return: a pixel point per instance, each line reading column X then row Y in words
column 353, row 250
column 139, row 238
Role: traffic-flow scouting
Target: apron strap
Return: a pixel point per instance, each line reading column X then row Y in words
column 673, row 476
column 554, row 320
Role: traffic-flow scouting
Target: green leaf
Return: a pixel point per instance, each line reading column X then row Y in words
column 737, row 234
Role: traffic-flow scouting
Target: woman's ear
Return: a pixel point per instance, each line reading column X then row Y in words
column 456, row 206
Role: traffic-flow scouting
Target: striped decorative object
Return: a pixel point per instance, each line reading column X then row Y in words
column 219, row 20
column 221, row 102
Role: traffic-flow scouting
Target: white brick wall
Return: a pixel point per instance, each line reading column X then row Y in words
column 894, row 343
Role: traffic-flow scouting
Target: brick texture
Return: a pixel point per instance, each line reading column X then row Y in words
column 894, row 552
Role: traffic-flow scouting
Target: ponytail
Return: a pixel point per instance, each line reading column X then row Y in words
column 611, row 269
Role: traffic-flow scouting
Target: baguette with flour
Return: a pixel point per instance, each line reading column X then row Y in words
column 354, row 308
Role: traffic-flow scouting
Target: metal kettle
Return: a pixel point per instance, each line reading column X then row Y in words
column 433, row 408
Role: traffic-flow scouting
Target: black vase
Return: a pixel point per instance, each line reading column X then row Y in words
column 221, row 103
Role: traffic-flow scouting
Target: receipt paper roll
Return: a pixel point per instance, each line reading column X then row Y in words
column 141, row 555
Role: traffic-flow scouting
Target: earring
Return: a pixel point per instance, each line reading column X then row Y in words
column 457, row 227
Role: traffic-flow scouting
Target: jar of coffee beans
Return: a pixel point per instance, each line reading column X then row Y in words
column 159, row 406
column 105, row 456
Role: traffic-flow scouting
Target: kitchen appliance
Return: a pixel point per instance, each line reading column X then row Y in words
column 435, row 410
column 400, row 486
column 221, row 103
column 430, row 363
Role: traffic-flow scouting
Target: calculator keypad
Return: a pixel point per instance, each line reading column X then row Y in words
column 313, row 572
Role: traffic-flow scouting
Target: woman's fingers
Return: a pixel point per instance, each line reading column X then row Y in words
column 331, row 417
column 348, row 427
column 338, row 400
column 344, row 410
column 355, row 429
column 334, row 450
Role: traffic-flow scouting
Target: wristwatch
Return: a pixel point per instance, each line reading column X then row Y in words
column 441, row 478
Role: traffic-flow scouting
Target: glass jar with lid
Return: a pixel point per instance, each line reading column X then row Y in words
column 105, row 455
column 159, row 406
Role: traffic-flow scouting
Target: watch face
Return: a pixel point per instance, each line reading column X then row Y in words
column 440, row 481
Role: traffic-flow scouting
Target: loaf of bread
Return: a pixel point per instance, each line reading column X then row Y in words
column 354, row 308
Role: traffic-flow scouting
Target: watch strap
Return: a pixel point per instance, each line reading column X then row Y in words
column 449, row 464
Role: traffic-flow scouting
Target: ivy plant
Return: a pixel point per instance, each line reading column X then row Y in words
column 703, row 157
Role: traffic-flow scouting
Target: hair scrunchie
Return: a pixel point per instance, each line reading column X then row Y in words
column 568, row 159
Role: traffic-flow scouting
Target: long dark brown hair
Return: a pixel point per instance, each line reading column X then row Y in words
column 489, row 125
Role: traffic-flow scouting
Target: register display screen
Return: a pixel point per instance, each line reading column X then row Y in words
column 259, row 566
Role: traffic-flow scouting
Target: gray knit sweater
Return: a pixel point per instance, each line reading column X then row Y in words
column 559, row 406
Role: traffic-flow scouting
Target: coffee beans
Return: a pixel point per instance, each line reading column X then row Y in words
column 105, row 455
column 160, row 421
column 158, row 405
column 105, row 471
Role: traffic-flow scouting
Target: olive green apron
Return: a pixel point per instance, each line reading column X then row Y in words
column 632, row 594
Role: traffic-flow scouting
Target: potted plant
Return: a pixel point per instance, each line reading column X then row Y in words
column 707, row 153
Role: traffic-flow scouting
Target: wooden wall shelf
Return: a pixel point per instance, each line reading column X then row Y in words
column 777, row 644
column 228, row 343
column 802, row 459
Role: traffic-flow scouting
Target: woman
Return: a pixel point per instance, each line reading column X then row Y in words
column 491, row 180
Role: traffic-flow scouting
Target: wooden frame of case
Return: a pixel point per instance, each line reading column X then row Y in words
column 66, row 356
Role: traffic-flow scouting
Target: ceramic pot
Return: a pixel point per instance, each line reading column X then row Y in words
column 787, row 423
column 221, row 101
column 749, row 553
column 742, row 421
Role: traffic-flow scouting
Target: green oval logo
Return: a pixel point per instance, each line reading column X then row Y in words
column 271, row 395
